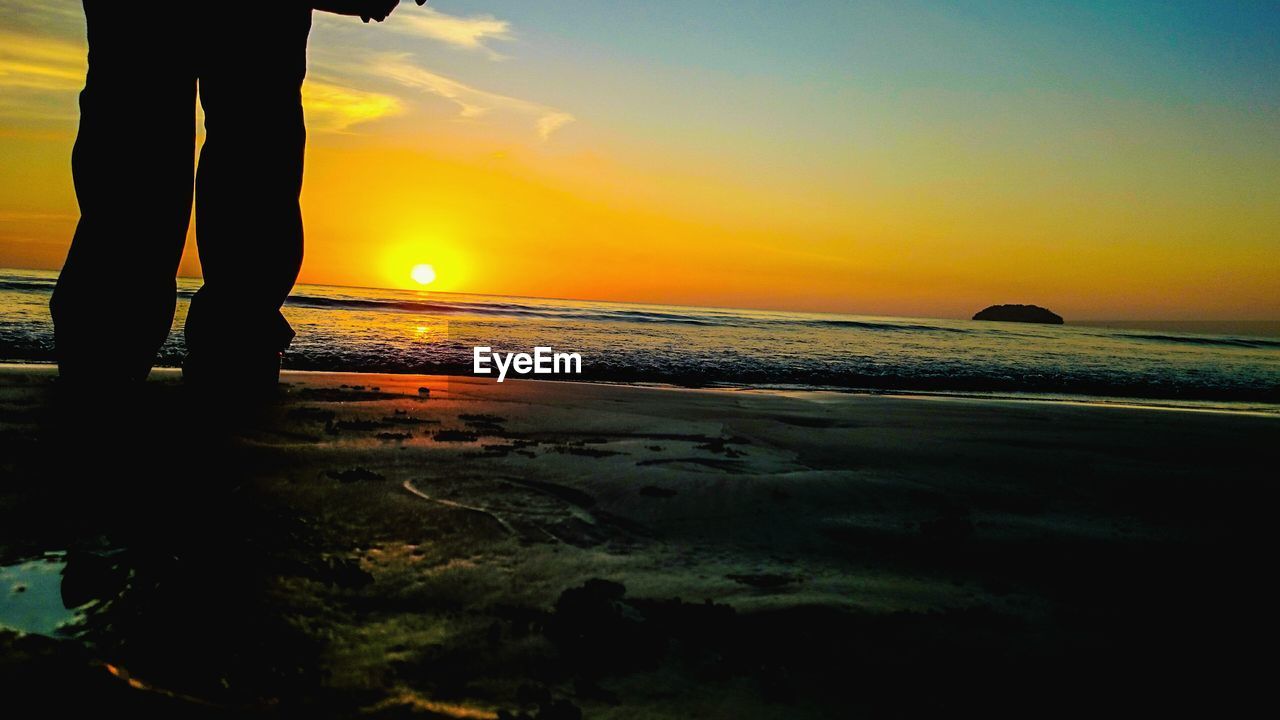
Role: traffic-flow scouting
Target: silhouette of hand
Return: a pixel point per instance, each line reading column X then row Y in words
column 366, row 10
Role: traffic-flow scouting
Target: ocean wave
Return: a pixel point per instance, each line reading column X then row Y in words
column 586, row 312
column 27, row 285
column 403, row 332
column 738, row 369
column 864, row 325
column 496, row 309
column 507, row 309
column 1213, row 342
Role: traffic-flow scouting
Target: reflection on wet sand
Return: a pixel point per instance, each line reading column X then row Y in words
column 406, row 546
column 32, row 600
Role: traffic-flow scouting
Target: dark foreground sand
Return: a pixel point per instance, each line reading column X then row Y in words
column 397, row 546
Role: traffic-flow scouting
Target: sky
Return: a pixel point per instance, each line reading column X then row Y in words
column 1106, row 160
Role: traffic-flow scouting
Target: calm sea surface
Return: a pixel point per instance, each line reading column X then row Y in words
column 417, row 332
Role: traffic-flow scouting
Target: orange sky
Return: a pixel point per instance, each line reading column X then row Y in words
column 905, row 160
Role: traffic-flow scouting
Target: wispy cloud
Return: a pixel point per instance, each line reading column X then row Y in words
column 472, row 102
column 551, row 122
column 467, row 32
column 43, row 62
column 31, row 62
column 334, row 108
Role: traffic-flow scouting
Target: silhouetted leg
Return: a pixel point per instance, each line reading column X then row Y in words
column 132, row 166
column 248, row 223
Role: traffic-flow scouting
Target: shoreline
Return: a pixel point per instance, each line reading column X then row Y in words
column 1230, row 407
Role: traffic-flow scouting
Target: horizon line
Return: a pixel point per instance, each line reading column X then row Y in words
column 1080, row 321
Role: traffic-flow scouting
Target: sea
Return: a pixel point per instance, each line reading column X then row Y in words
column 1224, row 366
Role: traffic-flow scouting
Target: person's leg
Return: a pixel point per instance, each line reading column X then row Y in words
column 132, row 166
column 248, row 223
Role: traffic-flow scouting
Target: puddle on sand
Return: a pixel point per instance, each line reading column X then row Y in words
column 31, row 596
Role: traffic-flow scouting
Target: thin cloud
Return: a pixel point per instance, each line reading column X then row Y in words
column 30, row 62
column 43, row 63
column 465, row 32
column 551, row 122
column 471, row 102
column 334, row 108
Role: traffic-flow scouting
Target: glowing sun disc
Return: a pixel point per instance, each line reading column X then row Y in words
column 423, row 274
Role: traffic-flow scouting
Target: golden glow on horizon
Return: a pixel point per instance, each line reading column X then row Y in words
column 423, row 274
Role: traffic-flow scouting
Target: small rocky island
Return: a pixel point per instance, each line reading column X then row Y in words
column 1019, row 313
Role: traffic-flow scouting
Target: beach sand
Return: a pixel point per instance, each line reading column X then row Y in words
column 403, row 546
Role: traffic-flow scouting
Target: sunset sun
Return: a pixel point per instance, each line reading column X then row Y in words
column 423, row 274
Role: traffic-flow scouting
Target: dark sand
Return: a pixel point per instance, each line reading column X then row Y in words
column 557, row 550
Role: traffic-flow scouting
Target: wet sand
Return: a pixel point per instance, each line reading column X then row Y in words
column 401, row 546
